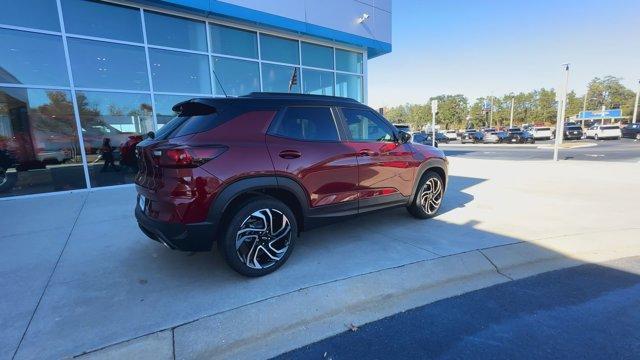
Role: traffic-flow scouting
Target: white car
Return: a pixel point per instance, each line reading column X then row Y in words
column 541, row 133
column 451, row 134
column 604, row 132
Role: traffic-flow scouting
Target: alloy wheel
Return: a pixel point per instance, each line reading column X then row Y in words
column 431, row 196
column 263, row 238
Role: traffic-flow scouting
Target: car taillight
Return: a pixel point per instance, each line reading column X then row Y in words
column 186, row 157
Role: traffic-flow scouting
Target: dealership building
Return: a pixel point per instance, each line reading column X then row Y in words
column 76, row 72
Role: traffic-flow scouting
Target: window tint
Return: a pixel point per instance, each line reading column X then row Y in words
column 307, row 123
column 349, row 61
column 174, row 71
column 231, row 41
column 317, row 56
column 276, row 78
column 101, row 19
column 237, row 77
column 317, row 82
column 99, row 64
column 22, row 60
column 38, row 14
column 279, row 49
column 364, row 125
column 172, row 31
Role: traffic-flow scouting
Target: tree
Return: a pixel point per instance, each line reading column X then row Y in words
column 610, row 92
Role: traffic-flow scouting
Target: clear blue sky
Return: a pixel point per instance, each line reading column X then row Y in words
column 479, row 48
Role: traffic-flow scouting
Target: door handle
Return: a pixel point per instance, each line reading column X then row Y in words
column 290, row 154
column 367, row 152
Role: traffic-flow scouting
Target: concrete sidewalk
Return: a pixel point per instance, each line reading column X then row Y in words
column 79, row 276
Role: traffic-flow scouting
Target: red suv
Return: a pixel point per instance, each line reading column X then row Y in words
column 250, row 173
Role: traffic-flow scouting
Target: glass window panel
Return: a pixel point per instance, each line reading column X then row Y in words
column 41, row 14
column 173, row 31
column 276, row 78
column 99, row 64
column 231, row 41
column 349, row 86
column 112, row 125
column 22, row 60
column 164, row 103
column 348, row 61
column 39, row 148
column 273, row 48
column 317, row 82
column 99, row 19
column 174, row 71
column 317, row 56
column 307, row 123
column 365, row 125
column 238, row 77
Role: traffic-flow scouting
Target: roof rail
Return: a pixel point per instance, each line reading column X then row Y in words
column 279, row 95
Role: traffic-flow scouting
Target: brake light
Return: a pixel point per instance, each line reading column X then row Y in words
column 186, row 157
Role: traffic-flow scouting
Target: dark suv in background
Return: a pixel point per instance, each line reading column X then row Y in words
column 249, row 173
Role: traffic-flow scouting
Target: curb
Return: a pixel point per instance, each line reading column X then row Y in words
column 577, row 146
column 273, row 326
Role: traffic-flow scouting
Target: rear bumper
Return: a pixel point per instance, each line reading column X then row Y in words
column 184, row 237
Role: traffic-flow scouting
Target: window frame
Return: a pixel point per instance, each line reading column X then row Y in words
column 282, row 113
column 347, row 132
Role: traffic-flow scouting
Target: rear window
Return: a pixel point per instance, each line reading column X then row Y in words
column 610, row 127
column 193, row 118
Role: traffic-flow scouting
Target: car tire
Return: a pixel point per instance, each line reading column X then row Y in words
column 7, row 180
column 429, row 195
column 595, row 137
column 271, row 231
column 638, row 136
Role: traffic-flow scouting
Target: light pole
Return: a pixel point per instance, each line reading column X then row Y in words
column 491, row 113
column 562, row 100
column 635, row 108
column 511, row 117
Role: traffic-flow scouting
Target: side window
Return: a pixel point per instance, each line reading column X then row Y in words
column 364, row 125
column 306, row 123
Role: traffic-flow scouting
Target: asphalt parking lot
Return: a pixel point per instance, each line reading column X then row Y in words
column 623, row 150
column 586, row 312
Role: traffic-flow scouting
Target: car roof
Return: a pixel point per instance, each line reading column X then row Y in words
column 272, row 98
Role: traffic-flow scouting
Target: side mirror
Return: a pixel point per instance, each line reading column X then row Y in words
column 151, row 135
column 403, row 137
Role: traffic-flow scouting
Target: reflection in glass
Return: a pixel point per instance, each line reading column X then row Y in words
column 121, row 118
column 174, row 71
column 164, row 103
column 173, row 31
column 273, row 48
column 39, row 148
column 317, row 56
column 231, row 41
column 103, row 65
column 348, row 61
column 276, row 78
column 99, row 19
column 42, row 14
column 317, row 82
column 238, row 77
column 32, row 59
column 349, row 86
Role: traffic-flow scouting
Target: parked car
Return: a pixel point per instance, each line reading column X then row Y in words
column 452, row 135
column 502, row 136
column 422, row 137
column 572, row 132
column 541, row 133
column 471, row 136
column 631, row 131
column 517, row 136
column 491, row 138
column 597, row 132
column 248, row 173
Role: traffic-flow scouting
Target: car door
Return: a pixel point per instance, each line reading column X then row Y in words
column 386, row 168
column 305, row 145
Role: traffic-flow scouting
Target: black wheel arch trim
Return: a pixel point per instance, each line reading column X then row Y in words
column 430, row 164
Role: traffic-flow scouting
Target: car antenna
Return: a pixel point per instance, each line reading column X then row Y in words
column 220, row 84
